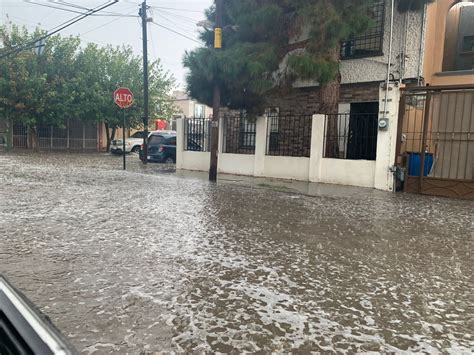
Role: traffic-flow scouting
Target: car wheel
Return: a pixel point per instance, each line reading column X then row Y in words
column 136, row 149
column 169, row 160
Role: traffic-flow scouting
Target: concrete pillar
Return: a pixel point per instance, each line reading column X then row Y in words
column 317, row 148
column 387, row 138
column 260, row 145
column 179, row 142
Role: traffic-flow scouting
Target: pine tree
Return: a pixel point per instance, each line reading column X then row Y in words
column 256, row 44
column 256, row 56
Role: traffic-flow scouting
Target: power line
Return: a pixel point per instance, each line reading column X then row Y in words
column 180, row 17
column 185, row 30
column 105, row 24
column 175, row 9
column 55, row 30
column 76, row 11
column 153, row 45
column 178, row 33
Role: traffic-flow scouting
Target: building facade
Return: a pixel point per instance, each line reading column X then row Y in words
column 389, row 123
column 189, row 107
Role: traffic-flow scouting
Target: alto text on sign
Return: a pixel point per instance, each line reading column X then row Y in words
column 123, row 97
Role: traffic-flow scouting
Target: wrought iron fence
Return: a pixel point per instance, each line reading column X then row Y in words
column 289, row 135
column 20, row 136
column 239, row 133
column 351, row 136
column 197, row 134
column 73, row 134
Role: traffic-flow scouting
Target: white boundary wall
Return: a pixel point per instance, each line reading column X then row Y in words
column 363, row 173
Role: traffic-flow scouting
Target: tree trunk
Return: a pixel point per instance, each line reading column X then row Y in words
column 110, row 137
column 329, row 105
column 33, row 138
column 9, row 132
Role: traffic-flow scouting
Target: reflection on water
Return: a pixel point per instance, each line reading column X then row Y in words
column 136, row 261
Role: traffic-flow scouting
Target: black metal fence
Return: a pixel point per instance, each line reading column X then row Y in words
column 197, row 134
column 239, row 133
column 20, row 136
column 289, row 135
column 351, row 136
column 73, row 134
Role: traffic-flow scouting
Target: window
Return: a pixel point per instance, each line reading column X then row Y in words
column 273, row 114
column 156, row 140
column 459, row 38
column 139, row 134
column 199, row 111
column 247, row 133
column 239, row 133
column 171, row 141
column 371, row 43
column 468, row 44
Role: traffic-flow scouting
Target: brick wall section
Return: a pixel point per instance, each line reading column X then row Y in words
column 362, row 92
column 293, row 105
column 306, row 100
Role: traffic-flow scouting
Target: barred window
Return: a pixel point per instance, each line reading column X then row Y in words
column 369, row 44
column 247, row 133
column 239, row 133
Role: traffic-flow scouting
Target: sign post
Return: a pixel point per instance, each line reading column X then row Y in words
column 123, row 98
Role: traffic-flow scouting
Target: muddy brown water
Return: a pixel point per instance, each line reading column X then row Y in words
column 150, row 260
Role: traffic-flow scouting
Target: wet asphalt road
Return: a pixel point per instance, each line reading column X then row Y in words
column 147, row 260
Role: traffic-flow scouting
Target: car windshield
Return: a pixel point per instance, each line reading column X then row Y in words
column 171, row 141
column 156, row 140
column 137, row 135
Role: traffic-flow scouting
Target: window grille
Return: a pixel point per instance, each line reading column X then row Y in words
column 369, row 44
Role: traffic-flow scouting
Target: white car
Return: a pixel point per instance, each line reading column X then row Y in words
column 133, row 143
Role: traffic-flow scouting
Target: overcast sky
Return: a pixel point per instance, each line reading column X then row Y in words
column 179, row 15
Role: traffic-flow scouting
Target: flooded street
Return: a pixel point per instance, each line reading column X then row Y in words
column 150, row 260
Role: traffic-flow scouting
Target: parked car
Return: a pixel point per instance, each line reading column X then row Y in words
column 162, row 147
column 132, row 144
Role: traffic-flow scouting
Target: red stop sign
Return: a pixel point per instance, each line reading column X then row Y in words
column 123, row 97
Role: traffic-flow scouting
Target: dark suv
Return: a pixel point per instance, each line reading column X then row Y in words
column 162, row 148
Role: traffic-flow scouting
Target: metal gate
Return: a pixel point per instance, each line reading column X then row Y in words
column 436, row 145
column 74, row 134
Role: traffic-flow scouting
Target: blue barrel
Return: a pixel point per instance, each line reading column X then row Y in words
column 414, row 161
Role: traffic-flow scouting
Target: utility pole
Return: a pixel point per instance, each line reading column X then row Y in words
column 216, row 102
column 144, row 17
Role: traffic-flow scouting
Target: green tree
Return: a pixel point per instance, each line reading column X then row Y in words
column 103, row 70
column 256, row 56
column 21, row 83
column 67, row 81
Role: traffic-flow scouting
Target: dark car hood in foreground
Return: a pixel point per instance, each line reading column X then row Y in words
column 23, row 329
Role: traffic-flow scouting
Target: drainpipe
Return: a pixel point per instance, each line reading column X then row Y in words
column 389, row 56
column 387, row 84
column 403, row 54
column 422, row 41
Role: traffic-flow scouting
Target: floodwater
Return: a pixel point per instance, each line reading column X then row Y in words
column 147, row 260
